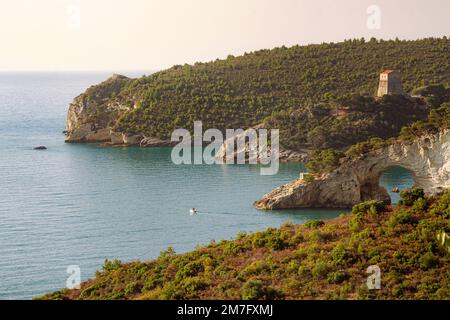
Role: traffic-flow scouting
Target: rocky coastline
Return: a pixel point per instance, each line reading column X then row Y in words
column 91, row 118
column 357, row 180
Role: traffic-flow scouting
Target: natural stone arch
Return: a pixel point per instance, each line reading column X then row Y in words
column 400, row 185
column 428, row 158
column 369, row 180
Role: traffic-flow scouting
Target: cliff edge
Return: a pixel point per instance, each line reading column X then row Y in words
column 93, row 114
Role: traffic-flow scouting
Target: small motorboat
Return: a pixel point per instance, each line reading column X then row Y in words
column 396, row 190
column 193, row 211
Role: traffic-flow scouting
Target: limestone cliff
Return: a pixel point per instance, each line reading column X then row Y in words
column 427, row 158
column 92, row 115
column 237, row 150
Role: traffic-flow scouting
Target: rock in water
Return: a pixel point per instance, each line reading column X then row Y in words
column 40, row 148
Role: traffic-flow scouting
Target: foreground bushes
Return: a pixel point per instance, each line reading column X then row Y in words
column 368, row 207
column 408, row 197
column 257, row 290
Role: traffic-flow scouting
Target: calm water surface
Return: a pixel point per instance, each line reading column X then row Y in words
column 80, row 204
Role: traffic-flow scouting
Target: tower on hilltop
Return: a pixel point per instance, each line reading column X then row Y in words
column 390, row 83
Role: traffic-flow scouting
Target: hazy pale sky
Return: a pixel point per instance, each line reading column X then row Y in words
column 118, row 35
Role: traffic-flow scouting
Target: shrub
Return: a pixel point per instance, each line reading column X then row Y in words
column 323, row 161
column 241, row 235
column 255, row 268
column 278, row 241
column 374, row 255
column 292, row 267
column 420, row 204
column 337, row 277
column 304, row 271
column 189, row 270
column 428, row 261
column 131, row 288
column 259, row 240
column 152, row 282
column 364, row 147
column 340, row 255
column 442, row 207
column 233, row 247
column 257, row 290
column 314, row 224
column 168, row 253
column 193, row 284
column 442, row 294
column 111, row 265
column 372, row 207
column 401, row 217
column 320, row 270
column 409, row 196
column 226, row 285
column 318, row 236
column 296, row 239
column 355, row 223
column 274, row 240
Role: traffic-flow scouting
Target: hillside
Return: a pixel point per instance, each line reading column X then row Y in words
column 319, row 260
column 266, row 85
column 438, row 119
column 340, row 124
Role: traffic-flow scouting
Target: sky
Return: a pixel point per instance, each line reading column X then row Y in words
column 94, row 35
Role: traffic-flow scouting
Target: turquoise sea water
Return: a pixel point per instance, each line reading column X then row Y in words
column 81, row 204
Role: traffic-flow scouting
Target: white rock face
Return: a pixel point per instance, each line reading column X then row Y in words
column 242, row 151
column 427, row 158
column 91, row 114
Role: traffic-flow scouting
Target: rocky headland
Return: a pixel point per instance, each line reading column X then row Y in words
column 357, row 180
column 92, row 116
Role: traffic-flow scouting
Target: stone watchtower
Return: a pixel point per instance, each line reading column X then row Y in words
column 390, row 83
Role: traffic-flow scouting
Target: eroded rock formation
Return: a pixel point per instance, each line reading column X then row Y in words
column 92, row 115
column 427, row 158
column 243, row 150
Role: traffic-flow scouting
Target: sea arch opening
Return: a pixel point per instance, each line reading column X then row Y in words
column 395, row 179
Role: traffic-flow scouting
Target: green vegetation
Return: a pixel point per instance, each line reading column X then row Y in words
column 341, row 123
column 326, row 160
column 319, row 260
column 314, row 224
column 410, row 196
column 96, row 97
column 319, row 96
column 435, row 95
column 323, row 161
column 368, row 207
column 438, row 118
